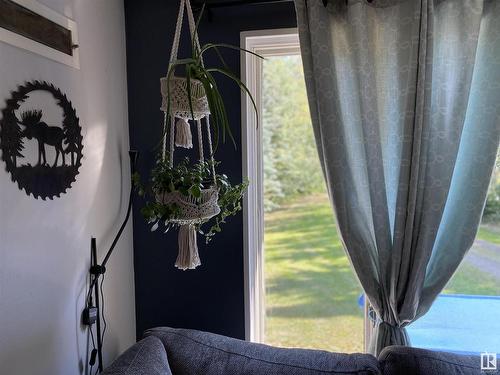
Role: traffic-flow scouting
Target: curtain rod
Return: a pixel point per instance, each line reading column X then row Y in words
column 222, row 4
column 198, row 4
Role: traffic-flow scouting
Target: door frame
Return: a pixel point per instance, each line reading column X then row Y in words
column 266, row 43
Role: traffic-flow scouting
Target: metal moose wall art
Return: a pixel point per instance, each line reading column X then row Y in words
column 57, row 147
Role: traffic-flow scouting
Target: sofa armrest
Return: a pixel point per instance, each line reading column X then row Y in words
column 147, row 357
column 414, row 361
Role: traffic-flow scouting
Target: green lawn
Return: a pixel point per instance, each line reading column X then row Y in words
column 311, row 291
column 468, row 279
column 490, row 233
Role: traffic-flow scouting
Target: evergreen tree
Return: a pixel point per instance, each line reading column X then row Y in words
column 291, row 164
column 11, row 140
column 73, row 137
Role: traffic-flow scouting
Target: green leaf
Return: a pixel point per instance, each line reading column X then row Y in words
column 243, row 87
column 221, row 108
column 195, row 191
column 195, row 33
column 155, row 226
column 209, row 46
column 221, row 58
column 189, row 93
column 180, row 62
column 216, row 105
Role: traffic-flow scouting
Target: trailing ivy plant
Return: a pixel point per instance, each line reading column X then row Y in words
column 189, row 180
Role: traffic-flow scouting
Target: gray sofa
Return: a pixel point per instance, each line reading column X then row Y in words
column 169, row 351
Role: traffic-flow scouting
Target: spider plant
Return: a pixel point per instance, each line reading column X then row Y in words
column 195, row 69
column 186, row 178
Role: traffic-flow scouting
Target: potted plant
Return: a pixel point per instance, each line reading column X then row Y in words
column 192, row 196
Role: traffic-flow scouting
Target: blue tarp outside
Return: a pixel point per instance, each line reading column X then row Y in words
column 458, row 323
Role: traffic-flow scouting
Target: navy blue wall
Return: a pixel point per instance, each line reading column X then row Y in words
column 211, row 297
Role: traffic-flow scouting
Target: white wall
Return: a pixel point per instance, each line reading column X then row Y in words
column 44, row 245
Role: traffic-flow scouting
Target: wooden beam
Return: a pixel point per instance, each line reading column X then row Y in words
column 25, row 22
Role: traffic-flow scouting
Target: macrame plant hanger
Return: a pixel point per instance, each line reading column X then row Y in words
column 175, row 105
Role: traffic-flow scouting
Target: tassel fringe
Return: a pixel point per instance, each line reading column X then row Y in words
column 183, row 136
column 188, row 258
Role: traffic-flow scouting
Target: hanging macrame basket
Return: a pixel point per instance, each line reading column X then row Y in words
column 178, row 113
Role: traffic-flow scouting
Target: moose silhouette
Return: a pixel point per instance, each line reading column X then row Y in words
column 44, row 134
column 25, row 127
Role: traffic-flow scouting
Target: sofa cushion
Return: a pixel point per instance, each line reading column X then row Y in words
column 395, row 360
column 147, row 357
column 193, row 352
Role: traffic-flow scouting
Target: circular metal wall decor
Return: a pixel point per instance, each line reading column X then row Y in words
column 55, row 147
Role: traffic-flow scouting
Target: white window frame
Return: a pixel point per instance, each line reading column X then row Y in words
column 275, row 42
column 23, row 42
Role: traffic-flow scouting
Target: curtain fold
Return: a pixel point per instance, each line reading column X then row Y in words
column 404, row 100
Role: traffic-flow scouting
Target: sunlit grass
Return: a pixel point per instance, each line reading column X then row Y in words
column 490, row 233
column 311, row 291
column 469, row 280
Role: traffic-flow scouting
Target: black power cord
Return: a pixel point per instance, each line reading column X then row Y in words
column 93, row 314
column 93, row 353
column 102, row 313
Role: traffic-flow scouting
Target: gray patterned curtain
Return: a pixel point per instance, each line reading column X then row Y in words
column 404, row 99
